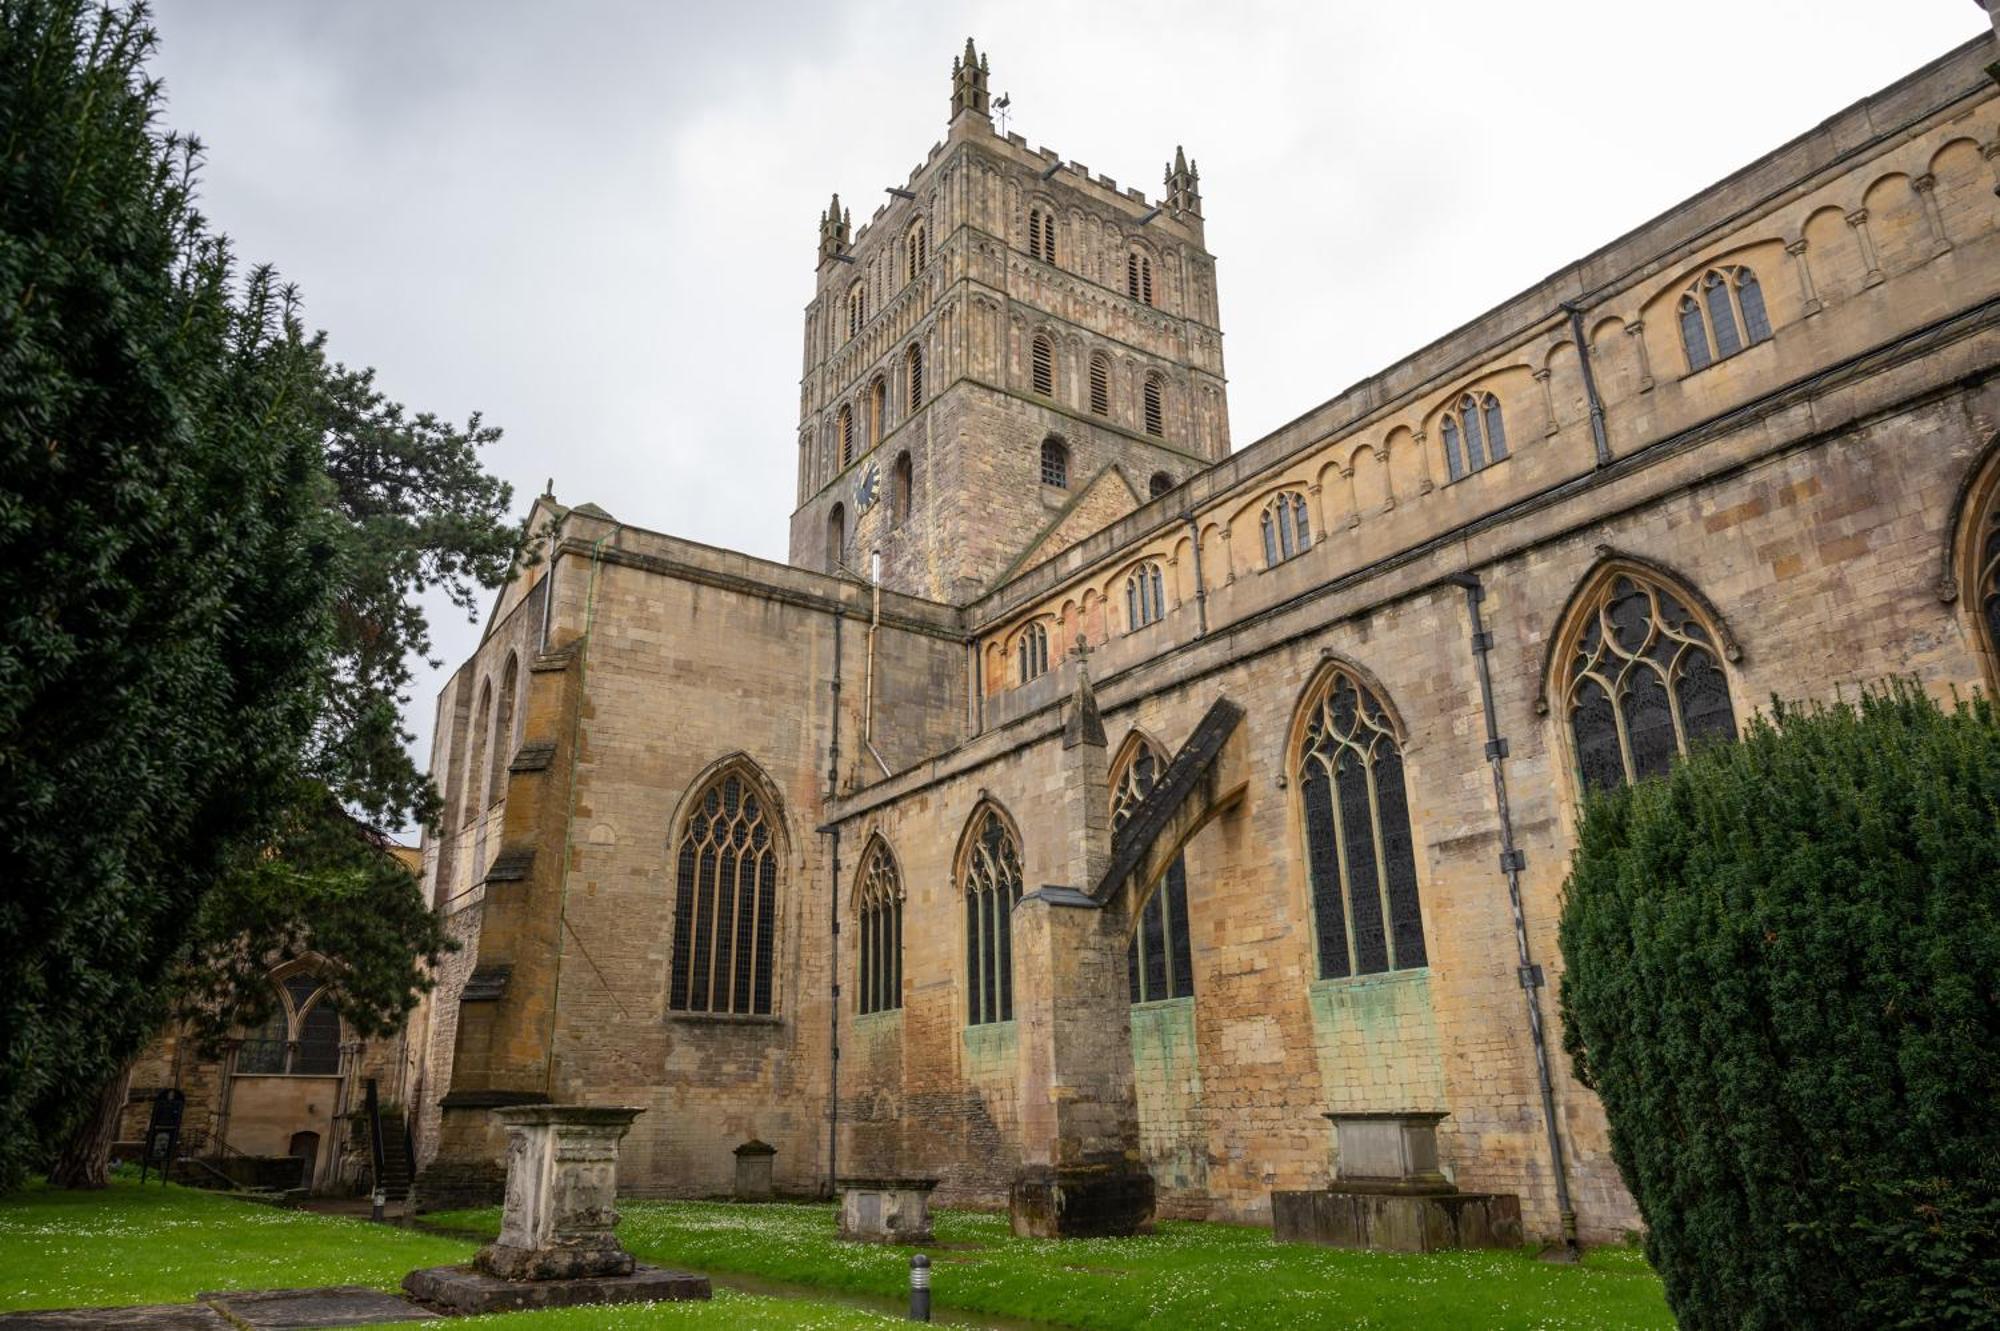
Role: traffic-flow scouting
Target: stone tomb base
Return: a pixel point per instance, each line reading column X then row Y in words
column 1081, row 1202
column 462, row 1289
column 886, row 1210
column 1397, row 1222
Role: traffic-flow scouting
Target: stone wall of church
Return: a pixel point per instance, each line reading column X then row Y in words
column 1822, row 559
column 695, row 660
column 1800, row 494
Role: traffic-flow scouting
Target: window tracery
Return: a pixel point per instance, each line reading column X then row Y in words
column 1475, row 426
column 1642, row 684
column 1720, row 313
column 991, row 884
column 300, row 1037
column 1145, row 598
column 881, row 917
column 1031, row 653
column 1287, row 532
column 1360, row 860
column 725, row 901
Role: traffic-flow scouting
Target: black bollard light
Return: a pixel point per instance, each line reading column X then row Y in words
column 920, row 1288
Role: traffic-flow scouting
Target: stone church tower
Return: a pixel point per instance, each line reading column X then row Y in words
column 1008, row 355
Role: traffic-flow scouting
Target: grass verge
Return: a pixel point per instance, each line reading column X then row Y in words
column 1215, row 1277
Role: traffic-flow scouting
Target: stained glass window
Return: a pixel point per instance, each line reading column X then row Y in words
column 1360, row 857
column 992, row 884
column 881, row 909
column 1159, row 960
column 725, row 902
column 1643, row 683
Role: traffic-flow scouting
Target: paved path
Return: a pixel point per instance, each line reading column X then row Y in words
column 233, row 1310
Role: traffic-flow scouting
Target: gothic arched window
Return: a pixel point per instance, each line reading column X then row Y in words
column 300, row 1037
column 1360, row 862
column 1158, row 960
column 857, row 307
column 991, row 881
column 1042, row 365
column 879, row 902
column 1642, row 683
column 1100, row 384
column 845, row 428
column 1031, row 653
column 917, row 247
column 913, row 366
column 1721, row 312
column 1145, row 601
column 725, row 900
column 1475, row 425
column 902, row 485
column 836, row 537
column 878, row 409
column 1154, row 398
column 1287, row 533
column 1055, row 463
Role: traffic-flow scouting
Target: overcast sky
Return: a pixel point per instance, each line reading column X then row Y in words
column 595, row 222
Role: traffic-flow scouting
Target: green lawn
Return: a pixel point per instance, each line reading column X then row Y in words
column 131, row 1245
column 128, row 1245
column 1208, row 1276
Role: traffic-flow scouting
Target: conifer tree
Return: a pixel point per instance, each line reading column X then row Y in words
column 1782, row 976
column 212, row 547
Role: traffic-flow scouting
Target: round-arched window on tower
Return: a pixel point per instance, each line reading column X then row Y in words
column 1055, row 463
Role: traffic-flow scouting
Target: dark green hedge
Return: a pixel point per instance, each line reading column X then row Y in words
column 1783, row 978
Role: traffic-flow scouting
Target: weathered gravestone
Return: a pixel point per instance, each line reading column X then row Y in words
column 886, row 1210
column 556, row 1246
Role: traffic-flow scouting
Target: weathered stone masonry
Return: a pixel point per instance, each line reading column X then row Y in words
column 1816, row 499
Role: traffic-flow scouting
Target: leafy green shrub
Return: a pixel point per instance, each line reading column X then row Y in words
column 1783, row 979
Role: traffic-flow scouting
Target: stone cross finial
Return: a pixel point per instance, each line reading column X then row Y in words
column 1084, row 724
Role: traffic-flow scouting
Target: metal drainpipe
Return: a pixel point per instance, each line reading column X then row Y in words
column 1599, row 440
column 833, row 922
column 1512, row 861
column 1200, row 583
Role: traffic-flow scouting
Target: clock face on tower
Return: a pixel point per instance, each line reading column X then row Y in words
column 867, row 487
